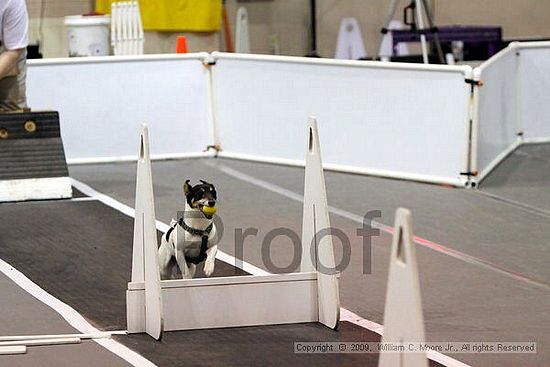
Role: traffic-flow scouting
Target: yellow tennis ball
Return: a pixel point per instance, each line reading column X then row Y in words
column 209, row 210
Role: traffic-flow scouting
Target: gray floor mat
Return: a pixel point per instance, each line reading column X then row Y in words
column 523, row 177
column 459, row 298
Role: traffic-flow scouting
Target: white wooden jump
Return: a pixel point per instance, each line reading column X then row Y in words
column 309, row 296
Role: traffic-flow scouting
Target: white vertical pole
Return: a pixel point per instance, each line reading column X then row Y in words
column 114, row 21
column 119, row 28
column 516, row 48
column 420, row 20
column 242, row 38
column 125, row 27
column 474, row 117
column 145, row 259
column 212, row 110
column 403, row 320
column 317, row 247
column 133, row 28
column 140, row 34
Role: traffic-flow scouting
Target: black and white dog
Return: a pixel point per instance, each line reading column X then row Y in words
column 189, row 241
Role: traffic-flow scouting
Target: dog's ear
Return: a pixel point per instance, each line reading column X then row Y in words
column 187, row 188
column 206, row 183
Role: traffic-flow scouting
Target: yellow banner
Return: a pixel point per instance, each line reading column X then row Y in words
column 175, row 15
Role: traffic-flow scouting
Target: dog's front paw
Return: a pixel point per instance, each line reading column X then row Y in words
column 209, row 268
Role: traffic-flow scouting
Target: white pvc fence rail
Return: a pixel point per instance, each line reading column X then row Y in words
column 408, row 121
column 512, row 105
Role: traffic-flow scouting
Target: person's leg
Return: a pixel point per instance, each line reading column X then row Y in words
column 19, row 92
column 7, row 85
column 13, row 88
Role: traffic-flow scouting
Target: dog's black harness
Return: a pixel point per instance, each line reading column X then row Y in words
column 197, row 232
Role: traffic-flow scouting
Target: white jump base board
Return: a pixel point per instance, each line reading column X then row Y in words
column 35, row 189
column 237, row 301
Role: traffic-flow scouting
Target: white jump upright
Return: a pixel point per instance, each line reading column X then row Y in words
column 403, row 320
column 308, row 296
column 145, row 266
column 242, row 37
column 350, row 44
column 317, row 245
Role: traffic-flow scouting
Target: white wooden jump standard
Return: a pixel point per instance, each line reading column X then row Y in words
column 315, row 218
column 403, row 320
column 308, row 296
column 145, row 266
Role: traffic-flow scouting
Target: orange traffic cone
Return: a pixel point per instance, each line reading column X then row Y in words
column 181, row 45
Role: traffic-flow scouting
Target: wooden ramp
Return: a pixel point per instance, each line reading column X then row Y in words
column 32, row 155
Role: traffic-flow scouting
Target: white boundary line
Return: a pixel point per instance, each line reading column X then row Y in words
column 85, row 198
column 345, row 315
column 72, row 316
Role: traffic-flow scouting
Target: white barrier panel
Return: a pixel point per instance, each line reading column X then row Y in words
column 397, row 120
column 247, row 301
column 497, row 117
column 101, row 102
column 534, row 90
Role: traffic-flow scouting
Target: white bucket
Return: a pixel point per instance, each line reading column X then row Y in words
column 88, row 35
